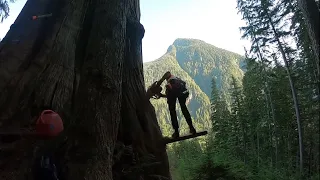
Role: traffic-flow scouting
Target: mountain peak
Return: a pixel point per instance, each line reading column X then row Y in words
column 172, row 49
column 187, row 42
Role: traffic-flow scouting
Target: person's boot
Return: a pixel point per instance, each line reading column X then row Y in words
column 175, row 134
column 192, row 130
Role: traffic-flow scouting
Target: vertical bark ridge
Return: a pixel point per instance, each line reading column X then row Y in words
column 81, row 44
column 137, row 112
column 100, row 88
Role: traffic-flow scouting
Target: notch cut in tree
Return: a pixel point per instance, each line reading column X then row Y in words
column 181, row 138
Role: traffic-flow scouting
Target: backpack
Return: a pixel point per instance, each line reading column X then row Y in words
column 45, row 168
column 178, row 85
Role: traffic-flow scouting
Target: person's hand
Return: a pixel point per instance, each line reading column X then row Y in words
column 156, row 96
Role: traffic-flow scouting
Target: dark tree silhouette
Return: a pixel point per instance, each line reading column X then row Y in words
column 85, row 63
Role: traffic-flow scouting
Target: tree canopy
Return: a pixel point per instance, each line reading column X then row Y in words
column 4, row 9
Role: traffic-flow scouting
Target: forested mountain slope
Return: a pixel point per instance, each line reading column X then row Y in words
column 197, row 63
column 198, row 104
column 202, row 61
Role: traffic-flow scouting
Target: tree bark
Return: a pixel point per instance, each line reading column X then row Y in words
column 294, row 93
column 85, row 63
column 269, row 100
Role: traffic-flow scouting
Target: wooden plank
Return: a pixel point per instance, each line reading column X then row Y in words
column 181, row 138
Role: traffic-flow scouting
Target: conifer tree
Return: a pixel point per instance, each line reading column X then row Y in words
column 219, row 117
column 4, row 9
column 310, row 12
column 267, row 17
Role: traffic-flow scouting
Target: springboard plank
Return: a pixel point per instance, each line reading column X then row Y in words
column 181, row 138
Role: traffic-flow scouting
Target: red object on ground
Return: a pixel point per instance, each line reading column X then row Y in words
column 49, row 123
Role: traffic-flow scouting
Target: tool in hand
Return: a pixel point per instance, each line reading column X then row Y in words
column 155, row 89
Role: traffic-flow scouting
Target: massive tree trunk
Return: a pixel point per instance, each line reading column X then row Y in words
column 85, row 63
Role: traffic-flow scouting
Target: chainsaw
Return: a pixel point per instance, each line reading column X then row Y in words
column 156, row 89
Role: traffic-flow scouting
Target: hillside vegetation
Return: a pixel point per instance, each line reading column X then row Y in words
column 203, row 61
column 264, row 123
column 197, row 63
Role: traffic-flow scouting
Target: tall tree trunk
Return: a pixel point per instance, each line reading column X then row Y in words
column 274, row 122
column 85, row 63
column 269, row 98
column 310, row 13
column 293, row 91
column 270, row 101
column 258, row 149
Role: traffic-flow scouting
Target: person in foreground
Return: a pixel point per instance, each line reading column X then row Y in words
column 48, row 126
column 175, row 89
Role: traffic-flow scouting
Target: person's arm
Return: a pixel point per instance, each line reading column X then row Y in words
column 163, row 78
column 162, row 95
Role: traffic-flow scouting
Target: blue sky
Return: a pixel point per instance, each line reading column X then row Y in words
column 213, row 21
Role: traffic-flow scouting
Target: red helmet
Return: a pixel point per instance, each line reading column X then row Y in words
column 49, row 123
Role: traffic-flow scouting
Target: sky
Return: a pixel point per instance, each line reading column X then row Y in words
column 213, row 21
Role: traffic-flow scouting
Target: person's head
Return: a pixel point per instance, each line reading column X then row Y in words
column 167, row 75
